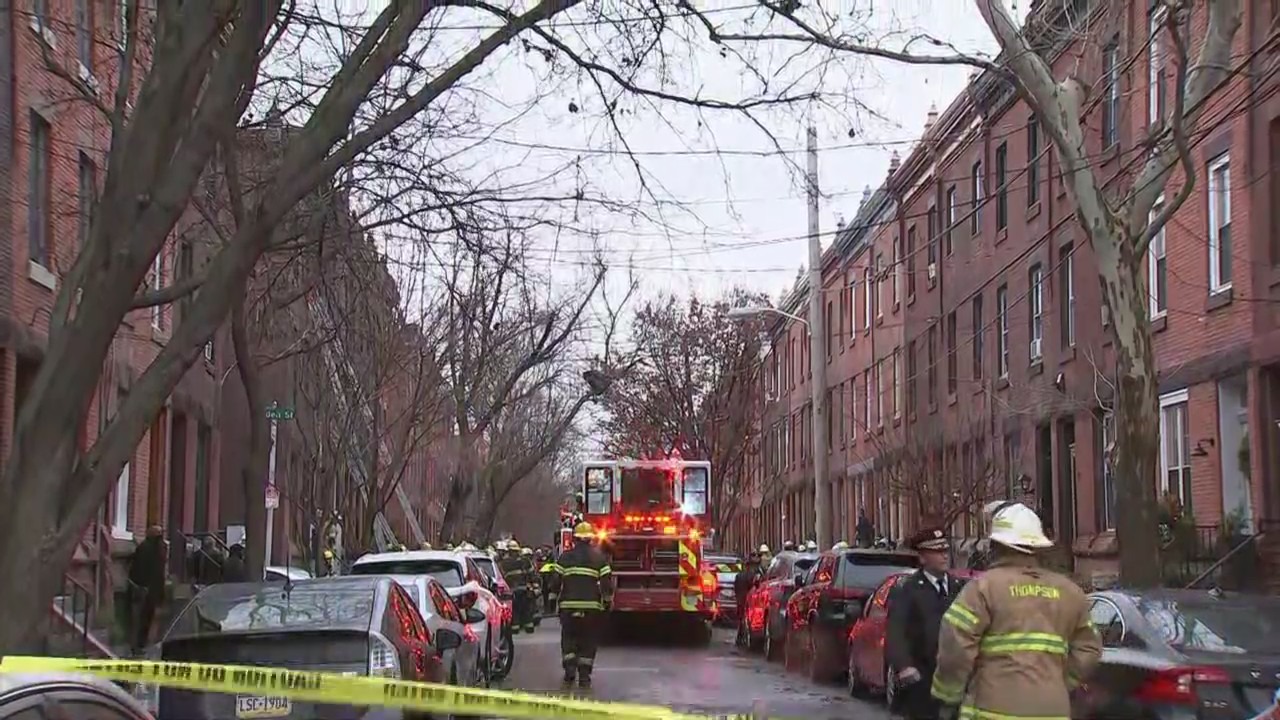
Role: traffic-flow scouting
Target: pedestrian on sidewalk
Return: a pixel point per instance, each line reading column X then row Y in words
column 146, row 585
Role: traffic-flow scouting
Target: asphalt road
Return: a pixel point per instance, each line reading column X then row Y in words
column 715, row 680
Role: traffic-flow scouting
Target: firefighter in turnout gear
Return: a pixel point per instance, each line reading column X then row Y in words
column 530, row 564
column 547, row 574
column 517, row 572
column 585, row 585
column 1017, row 639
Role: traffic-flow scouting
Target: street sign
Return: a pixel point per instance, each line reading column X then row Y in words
column 275, row 412
column 273, row 497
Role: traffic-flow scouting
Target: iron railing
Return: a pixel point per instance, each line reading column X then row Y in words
column 73, row 613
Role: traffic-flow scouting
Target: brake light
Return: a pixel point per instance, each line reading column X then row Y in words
column 1177, row 686
column 383, row 659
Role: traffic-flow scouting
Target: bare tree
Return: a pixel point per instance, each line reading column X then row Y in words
column 694, row 391
column 1120, row 224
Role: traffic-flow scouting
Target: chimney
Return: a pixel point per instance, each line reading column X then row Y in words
column 932, row 118
column 840, row 223
column 894, row 162
column 866, row 194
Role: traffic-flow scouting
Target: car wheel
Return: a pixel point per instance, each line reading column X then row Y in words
column 856, row 687
column 890, row 686
column 770, row 645
column 506, row 655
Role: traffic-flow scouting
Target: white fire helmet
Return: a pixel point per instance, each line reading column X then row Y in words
column 811, row 546
column 1018, row 527
column 764, row 550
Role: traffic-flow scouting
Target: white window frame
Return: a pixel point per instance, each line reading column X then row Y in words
column 1069, row 270
column 1002, row 320
column 853, row 305
column 1111, row 65
column 879, row 276
column 897, row 384
column 880, row 393
column 157, row 284
column 1107, row 504
column 120, row 506
column 1219, row 189
column 1183, row 437
column 867, row 288
column 1155, row 57
column 1037, row 313
column 1157, row 241
column 951, row 219
column 975, row 183
column 853, row 408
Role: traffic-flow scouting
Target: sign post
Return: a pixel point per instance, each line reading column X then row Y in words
column 275, row 414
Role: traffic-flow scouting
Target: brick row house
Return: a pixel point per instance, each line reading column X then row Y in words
column 185, row 474
column 965, row 323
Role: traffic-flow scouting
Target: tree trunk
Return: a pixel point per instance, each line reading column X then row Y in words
column 1137, row 423
column 254, row 473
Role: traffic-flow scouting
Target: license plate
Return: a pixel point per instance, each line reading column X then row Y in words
column 253, row 706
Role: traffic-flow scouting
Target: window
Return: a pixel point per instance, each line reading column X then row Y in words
column 880, row 393
column 1111, row 104
column 1158, row 268
column 1108, row 622
column 979, row 337
column 843, row 323
column 157, row 283
column 853, row 408
column 84, row 34
column 911, row 378
column 599, row 490
column 694, row 487
column 120, row 508
column 122, row 21
column 839, row 412
column 1002, row 192
column 975, row 190
column 1012, row 466
column 866, row 400
column 897, row 383
column 40, row 13
column 911, row 261
column 1155, row 67
column 830, row 321
column 1067, row 279
column 38, row 192
column 1175, row 450
column 1033, row 161
column 868, row 290
column 1107, row 491
column 879, row 285
column 86, row 191
column 853, row 307
column 933, row 237
column 831, row 420
column 951, row 218
column 1002, row 331
column 931, row 371
column 953, row 364
column 897, row 269
column 1220, row 223
column 1035, row 314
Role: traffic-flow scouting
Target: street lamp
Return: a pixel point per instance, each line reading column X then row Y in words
column 818, row 369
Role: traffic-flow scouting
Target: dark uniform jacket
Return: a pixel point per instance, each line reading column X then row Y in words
column 584, row 578
column 513, row 571
column 911, row 638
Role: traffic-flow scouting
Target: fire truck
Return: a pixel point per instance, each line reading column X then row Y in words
column 651, row 518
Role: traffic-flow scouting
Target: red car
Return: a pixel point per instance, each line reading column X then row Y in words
column 831, row 598
column 763, row 621
column 868, row 672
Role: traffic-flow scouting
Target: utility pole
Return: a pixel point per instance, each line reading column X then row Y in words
column 818, row 357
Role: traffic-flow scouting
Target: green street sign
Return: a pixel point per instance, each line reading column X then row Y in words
column 275, row 412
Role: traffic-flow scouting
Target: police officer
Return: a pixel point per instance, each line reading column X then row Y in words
column 585, row 583
column 915, row 614
column 1017, row 639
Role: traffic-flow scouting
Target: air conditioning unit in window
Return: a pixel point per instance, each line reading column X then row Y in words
column 1036, row 348
column 933, row 271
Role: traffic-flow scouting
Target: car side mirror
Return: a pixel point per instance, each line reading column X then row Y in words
column 446, row 639
column 474, row 615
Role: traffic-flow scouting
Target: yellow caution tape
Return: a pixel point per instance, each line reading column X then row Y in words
column 335, row 689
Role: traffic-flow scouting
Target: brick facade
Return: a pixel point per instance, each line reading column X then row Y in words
column 1016, row 266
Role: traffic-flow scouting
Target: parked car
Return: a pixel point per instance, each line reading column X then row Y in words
column 439, row 610
column 353, row 625
column 829, row 600
column 275, row 573
column 454, row 571
column 80, row 697
column 867, row 670
column 765, row 615
column 1169, row 654
column 726, row 569
column 493, row 575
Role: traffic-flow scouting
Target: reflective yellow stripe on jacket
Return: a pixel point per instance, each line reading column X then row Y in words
column 581, row 605
column 1006, row 643
column 968, row 712
column 960, row 616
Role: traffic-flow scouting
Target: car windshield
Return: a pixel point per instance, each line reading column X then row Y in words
column 868, row 570
column 447, row 572
column 485, row 564
column 317, row 605
column 803, row 564
column 1215, row 626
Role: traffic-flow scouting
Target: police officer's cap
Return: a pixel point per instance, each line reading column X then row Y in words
column 930, row 539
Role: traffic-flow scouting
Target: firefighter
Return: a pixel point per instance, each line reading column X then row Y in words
column 1017, row 639
column 546, row 574
column 425, row 546
column 513, row 569
column 533, row 618
column 585, row 583
column 788, row 546
column 811, row 546
column 840, row 546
